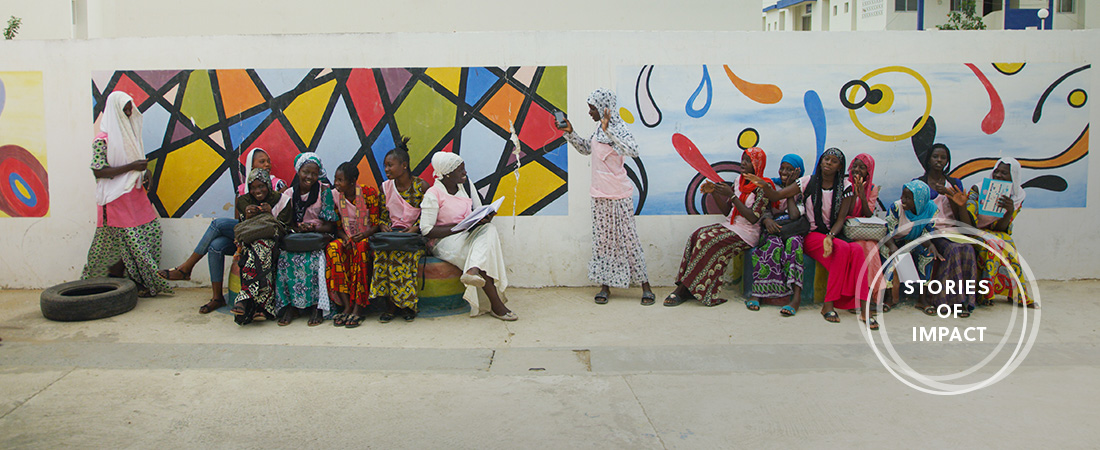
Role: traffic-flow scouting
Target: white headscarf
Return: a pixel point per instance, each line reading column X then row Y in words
column 444, row 163
column 604, row 99
column 248, row 161
column 1018, row 194
column 124, row 146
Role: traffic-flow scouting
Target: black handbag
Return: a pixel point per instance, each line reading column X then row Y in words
column 304, row 242
column 792, row 227
column 396, row 241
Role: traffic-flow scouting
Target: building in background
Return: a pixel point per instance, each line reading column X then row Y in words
column 869, row 15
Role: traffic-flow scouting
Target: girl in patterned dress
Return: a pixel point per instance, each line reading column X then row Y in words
column 395, row 271
column 777, row 262
column 258, row 257
column 300, row 277
column 349, row 255
column 997, row 233
column 127, row 234
column 617, row 257
column 711, row 248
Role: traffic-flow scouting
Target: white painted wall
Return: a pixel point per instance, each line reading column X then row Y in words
column 128, row 18
column 42, row 19
column 540, row 251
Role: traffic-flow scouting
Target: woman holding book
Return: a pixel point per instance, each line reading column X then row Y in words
column 997, row 233
column 475, row 250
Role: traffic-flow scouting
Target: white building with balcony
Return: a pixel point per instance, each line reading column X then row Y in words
column 860, row 15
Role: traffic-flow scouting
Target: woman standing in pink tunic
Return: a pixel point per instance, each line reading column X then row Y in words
column 127, row 235
column 617, row 257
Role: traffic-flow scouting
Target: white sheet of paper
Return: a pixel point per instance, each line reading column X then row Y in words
column 476, row 215
column 907, row 270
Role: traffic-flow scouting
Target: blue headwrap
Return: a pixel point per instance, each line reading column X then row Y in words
column 925, row 207
column 793, row 160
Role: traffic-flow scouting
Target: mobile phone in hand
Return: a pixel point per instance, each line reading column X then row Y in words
column 559, row 119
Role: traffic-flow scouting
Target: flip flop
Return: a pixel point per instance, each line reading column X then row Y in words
column 673, row 300
column 873, row 324
column 385, row 317
column 340, row 320
column 929, row 310
column 831, row 315
column 352, row 321
column 787, row 311
column 648, row 298
column 752, row 305
column 601, row 297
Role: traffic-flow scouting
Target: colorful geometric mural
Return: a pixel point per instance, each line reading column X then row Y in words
column 24, row 184
column 200, row 125
column 1033, row 112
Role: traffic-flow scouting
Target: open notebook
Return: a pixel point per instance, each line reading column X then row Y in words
column 476, row 215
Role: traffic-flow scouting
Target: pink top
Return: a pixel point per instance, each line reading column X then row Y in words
column 748, row 231
column 609, row 178
column 452, row 209
column 826, row 200
column 130, row 210
column 402, row 214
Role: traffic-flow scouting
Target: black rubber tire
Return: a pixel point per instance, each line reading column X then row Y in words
column 304, row 242
column 90, row 299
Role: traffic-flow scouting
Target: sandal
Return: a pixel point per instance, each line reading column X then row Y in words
column 873, row 324
column 752, row 305
column 601, row 298
column 648, row 298
column 886, row 307
column 339, row 319
column 714, row 302
column 964, row 314
column 386, row 317
column 167, row 274
column 985, row 302
column 213, row 305
column 352, row 321
column 410, row 315
column 673, row 300
column 929, row 310
column 787, row 311
column 831, row 317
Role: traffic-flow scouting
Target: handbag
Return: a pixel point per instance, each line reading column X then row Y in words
column 396, row 241
column 790, row 227
column 304, row 242
column 260, row 226
column 854, row 230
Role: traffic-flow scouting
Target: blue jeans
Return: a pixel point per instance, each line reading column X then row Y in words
column 217, row 243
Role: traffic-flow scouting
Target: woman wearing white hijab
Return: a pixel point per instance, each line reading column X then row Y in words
column 617, row 257
column 475, row 250
column 127, row 236
column 998, row 234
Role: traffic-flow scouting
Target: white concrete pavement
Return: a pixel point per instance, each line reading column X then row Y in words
column 568, row 374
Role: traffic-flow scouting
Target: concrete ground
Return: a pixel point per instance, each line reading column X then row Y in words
column 568, row 374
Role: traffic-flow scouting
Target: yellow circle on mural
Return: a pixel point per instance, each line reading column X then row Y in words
column 1008, row 68
column 626, row 115
column 1077, row 98
column 748, row 138
column 885, row 103
column 23, row 189
column 923, row 117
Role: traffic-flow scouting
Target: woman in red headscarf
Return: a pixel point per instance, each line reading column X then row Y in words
column 861, row 173
column 710, row 248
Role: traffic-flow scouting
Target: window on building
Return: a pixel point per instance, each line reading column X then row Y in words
column 809, row 8
column 835, row 7
column 989, row 6
column 806, row 23
column 956, row 5
column 905, row 5
column 845, row 7
column 1065, row 6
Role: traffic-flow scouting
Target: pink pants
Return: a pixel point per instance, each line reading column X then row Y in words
column 847, row 276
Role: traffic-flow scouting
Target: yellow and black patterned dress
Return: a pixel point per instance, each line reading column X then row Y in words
column 395, row 272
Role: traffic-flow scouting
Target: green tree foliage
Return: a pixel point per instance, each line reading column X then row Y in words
column 967, row 19
column 13, row 27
